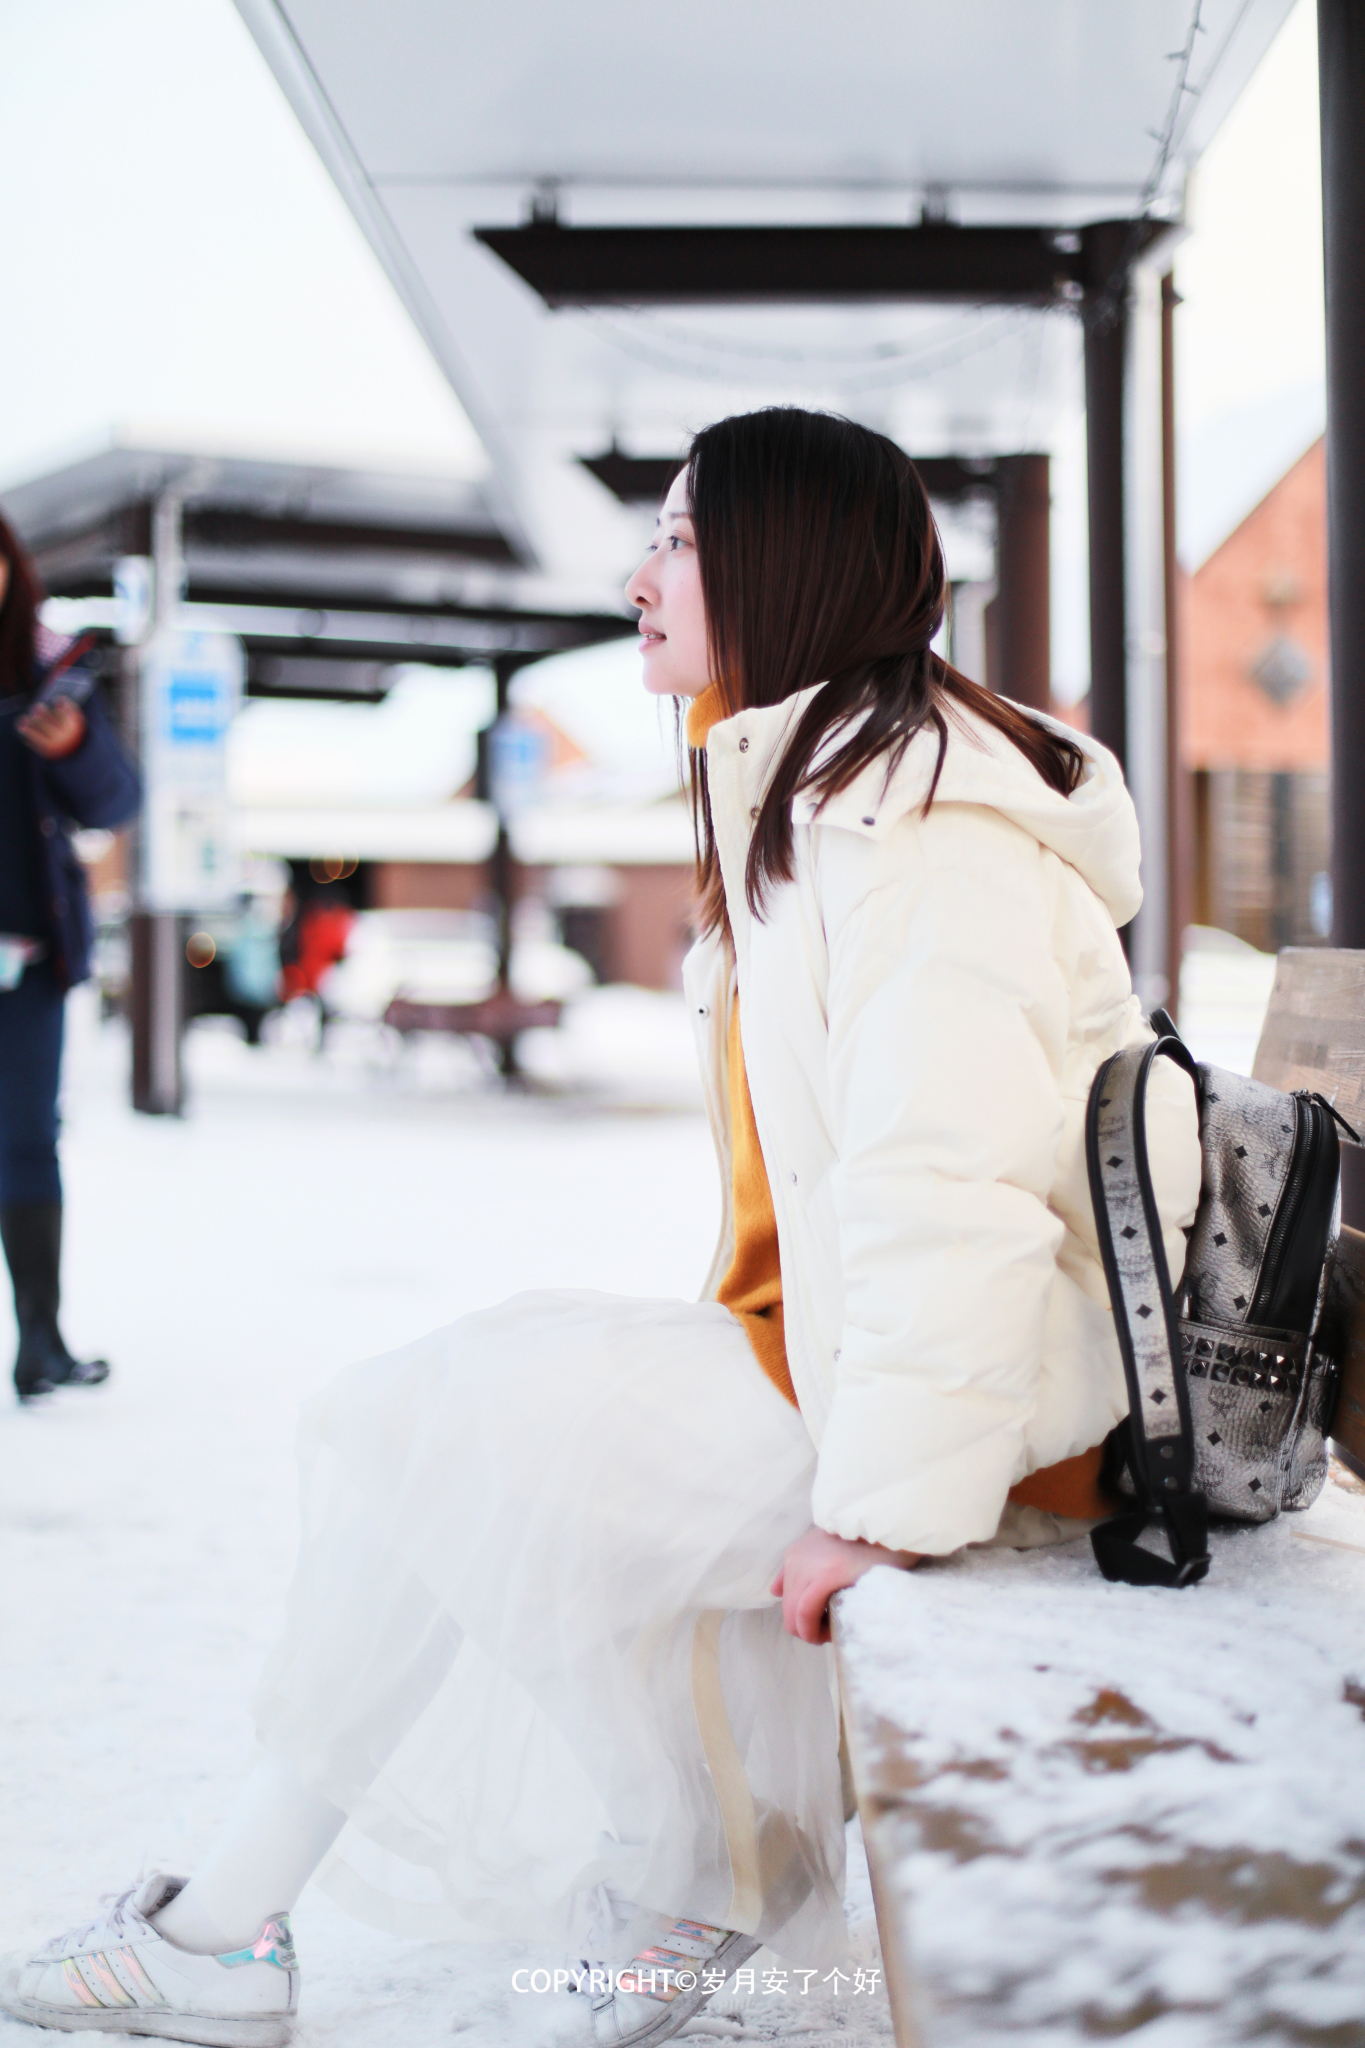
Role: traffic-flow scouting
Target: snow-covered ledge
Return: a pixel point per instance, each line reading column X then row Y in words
column 1097, row 1810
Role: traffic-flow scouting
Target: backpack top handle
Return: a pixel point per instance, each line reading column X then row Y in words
column 1160, row 1434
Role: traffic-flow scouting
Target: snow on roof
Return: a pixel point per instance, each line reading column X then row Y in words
column 1226, row 466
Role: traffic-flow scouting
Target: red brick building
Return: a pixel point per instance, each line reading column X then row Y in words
column 1254, row 726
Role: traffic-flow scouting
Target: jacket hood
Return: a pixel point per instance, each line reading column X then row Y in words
column 1095, row 829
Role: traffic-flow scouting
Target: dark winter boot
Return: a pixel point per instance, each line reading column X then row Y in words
column 32, row 1236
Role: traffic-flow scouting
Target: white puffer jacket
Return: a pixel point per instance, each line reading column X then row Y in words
column 925, row 1006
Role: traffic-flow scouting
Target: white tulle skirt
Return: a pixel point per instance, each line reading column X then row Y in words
column 531, row 1650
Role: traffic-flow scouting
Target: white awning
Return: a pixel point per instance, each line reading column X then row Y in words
column 438, row 117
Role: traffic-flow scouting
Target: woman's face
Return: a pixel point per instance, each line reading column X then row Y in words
column 667, row 588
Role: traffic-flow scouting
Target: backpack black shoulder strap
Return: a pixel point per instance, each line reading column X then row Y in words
column 1160, row 1437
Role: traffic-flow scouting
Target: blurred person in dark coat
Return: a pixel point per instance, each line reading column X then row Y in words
column 61, row 767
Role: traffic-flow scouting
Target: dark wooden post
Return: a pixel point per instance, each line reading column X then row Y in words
column 1341, row 86
column 503, row 892
column 502, row 876
column 1023, row 621
column 1341, row 68
column 1179, row 791
column 1105, row 315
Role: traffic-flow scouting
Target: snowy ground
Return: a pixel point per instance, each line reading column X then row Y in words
column 308, row 1211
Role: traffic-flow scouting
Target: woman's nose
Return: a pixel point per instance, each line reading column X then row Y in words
column 639, row 590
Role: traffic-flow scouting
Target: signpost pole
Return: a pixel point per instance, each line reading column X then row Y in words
column 190, row 689
column 157, row 975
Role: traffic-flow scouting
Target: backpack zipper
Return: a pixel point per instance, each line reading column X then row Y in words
column 1307, row 1145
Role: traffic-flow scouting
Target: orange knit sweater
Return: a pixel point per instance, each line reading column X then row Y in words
column 752, row 1288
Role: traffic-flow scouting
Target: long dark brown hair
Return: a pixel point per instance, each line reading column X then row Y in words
column 18, row 616
column 820, row 561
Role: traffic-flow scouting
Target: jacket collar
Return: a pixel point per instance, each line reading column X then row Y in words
column 1094, row 830
column 757, row 732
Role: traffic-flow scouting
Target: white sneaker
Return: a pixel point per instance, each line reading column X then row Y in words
column 119, row 1976
column 666, row 1985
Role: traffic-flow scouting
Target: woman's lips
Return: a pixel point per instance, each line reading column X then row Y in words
column 650, row 639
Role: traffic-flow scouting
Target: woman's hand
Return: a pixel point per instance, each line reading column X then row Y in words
column 53, row 730
column 815, row 1568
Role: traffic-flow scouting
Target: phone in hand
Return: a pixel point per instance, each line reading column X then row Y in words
column 64, row 679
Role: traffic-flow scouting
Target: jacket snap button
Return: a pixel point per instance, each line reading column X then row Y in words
column 702, row 1010
column 744, row 746
column 754, row 811
column 869, row 821
column 838, row 1355
column 793, row 1180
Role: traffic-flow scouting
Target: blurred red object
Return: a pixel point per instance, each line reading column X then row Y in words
column 319, row 941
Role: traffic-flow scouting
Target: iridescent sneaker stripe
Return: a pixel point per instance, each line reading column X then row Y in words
column 274, row 1944
column 78, row 1984
column 99, row 1963
column 661, row 1961
column 142, row 1983
column 657, row 1962
column 633, row 1979
column 696, row 1930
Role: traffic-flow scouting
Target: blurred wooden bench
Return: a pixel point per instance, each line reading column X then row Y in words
column 1314, row 1037
column 1094, row 1809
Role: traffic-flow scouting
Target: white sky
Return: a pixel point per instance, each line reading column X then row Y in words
column 179, row 263
column 188, row 274
column 1249, row 361
column 1251, row 272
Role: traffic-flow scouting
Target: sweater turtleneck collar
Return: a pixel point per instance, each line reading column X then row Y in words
column 703, row 712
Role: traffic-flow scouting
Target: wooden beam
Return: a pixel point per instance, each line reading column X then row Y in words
column 643, row 479
column 604, row 266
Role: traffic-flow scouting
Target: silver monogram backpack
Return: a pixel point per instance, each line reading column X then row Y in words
column 1233, row 1383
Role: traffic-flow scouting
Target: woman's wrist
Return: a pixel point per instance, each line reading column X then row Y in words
column 878, row 1553
column 903, row 1560
column 816, row 1567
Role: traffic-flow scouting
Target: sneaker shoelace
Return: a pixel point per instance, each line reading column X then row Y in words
column 118, row 1918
